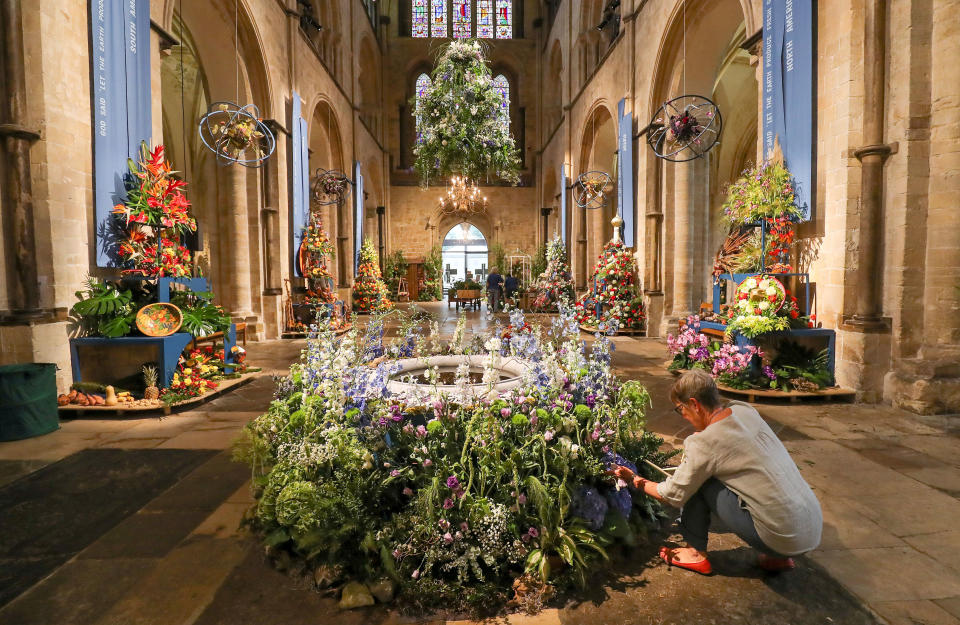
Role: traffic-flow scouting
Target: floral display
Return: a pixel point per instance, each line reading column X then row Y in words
column 451, row 494
column 555, row 285
column 154, row 215
column 763, row 305
column 728, row 363
column 613, row 280
column 369, row 291
column 464, row 127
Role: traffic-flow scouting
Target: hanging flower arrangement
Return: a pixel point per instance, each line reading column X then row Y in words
column 464, row 127
column 153, row 217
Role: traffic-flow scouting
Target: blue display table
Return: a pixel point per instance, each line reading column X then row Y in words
column 169, row 348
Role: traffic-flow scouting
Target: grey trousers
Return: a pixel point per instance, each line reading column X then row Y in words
column 714, row 498
column 494, row 299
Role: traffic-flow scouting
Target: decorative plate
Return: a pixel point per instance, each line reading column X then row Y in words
column 159, row 319
column 760, row 293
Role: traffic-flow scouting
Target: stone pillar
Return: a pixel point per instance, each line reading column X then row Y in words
column 235, row 242
column 19, row 234
column 582, row 275
column 683, row 206
column 869, row 295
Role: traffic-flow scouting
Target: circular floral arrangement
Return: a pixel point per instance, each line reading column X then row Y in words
column 450, row 499
column 760, row 295
column 159, row 319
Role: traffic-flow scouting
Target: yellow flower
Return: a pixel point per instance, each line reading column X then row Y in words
column 187, row 371
column 187, row 381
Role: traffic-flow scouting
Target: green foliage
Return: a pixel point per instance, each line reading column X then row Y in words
column 539, row 265
column 104, row 309
column 394, row 267
column 433, row 276
column 497, row 257
column 800, row 368
column 201, row 316
column 752, row 326
column 764, row 191
column 463, row 127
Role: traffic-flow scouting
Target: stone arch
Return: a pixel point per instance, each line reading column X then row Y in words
column 368, row 85
column 708, row 33
column 598, row 147
column 553, row 87
column 326, row 151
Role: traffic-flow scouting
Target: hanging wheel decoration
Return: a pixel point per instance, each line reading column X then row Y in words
column 236, row 134
column 685, row 128
column 330, row 187
column 591, row 189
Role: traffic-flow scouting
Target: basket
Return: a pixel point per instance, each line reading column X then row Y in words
column 159, row 319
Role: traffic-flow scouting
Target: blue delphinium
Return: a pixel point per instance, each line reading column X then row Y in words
column 589, row 505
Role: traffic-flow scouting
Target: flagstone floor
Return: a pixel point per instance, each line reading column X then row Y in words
column 888, row 480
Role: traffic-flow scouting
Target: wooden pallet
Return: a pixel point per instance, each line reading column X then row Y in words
column 835, row 393
column 161, row 409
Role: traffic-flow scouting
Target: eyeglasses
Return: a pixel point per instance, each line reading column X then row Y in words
column 678, row 409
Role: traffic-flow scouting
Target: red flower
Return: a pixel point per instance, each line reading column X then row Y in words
column 794, row 314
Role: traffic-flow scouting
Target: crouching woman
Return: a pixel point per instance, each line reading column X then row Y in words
column 735, row 468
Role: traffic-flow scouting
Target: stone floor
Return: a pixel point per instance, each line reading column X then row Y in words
column 888, row 481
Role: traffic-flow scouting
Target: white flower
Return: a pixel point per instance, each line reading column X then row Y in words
column 751, row 283
column 771, row 291
column 763, row 305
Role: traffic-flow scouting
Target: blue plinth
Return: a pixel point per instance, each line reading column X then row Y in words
column 170, row 348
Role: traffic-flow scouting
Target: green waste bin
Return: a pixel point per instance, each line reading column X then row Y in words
column 28, row 400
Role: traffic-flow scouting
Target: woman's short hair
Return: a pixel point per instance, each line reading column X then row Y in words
column 696, row 384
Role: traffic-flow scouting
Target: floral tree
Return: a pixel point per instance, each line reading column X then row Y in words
column 460, row 501
column 369, row 290
column 614, row 293
column 555, row 284
column 463, row 126
column 153, row 218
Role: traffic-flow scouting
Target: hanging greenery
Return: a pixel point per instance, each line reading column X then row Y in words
column 463, row 125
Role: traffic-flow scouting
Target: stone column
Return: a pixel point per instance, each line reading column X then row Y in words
column 582, row 275
column 19, row 234
column 235, row 242
column 869, row 296
column 682, row 239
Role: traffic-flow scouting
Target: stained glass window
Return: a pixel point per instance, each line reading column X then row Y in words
column 485, row 19
column 421, row 22
column 461, row 19
column 439, row 18
column 504, row 19
column 502, row 85
column 423, row 83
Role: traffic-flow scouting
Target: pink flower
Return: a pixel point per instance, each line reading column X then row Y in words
column 407, row 491
column 522, row 499
column 505, row 412
column 533, row 532
column 464, row 526
column 415, row 574
column 548, row 435
column 447, row 538
column 447, row 503
column 428, row 462
column 394, row 473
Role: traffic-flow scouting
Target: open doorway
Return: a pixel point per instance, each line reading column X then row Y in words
column 464, row 255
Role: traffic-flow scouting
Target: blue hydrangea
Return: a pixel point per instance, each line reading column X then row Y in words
column 589, row 505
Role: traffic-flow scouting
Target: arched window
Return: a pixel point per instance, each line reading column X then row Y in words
column 430, row 18
column 423, row 83
column 502, row 85
column 504, row 19
column 461, row 19
column 421, row 18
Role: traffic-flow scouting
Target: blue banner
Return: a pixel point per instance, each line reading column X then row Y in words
column 122, row 116
column 564, row 232
column 790, row 90
column 299, row 178
column 625, row 174
column 357, row 216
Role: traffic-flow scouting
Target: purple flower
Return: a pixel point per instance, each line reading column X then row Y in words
column 394, row 473
column 525, row 538
column 421, row 431
column 453, row 483
column 768, row 371
column 533, row 532
column 447, row 503
column 504, row 412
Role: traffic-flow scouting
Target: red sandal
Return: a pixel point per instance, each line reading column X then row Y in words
column 703, row 566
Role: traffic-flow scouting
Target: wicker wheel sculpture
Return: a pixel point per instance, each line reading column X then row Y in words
column 591, row 189
column 685, row 128
column 330, row 187
column 236, row 134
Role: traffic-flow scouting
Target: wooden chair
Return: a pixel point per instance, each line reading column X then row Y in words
column 402, row 290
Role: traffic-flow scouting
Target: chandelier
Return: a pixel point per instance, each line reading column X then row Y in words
column 463, row 198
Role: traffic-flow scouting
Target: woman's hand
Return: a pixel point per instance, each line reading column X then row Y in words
column 624, row 474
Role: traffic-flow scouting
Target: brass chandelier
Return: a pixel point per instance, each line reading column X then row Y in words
column 462, row 198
